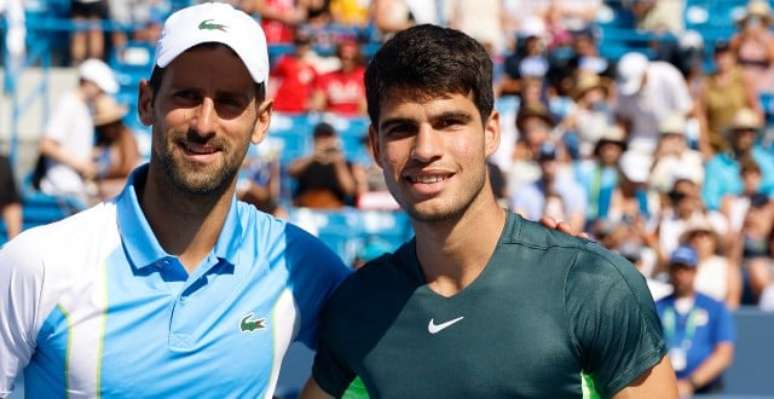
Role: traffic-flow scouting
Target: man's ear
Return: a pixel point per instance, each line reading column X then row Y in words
column 145, row 103
column 264, row 111
column 492, row 133
column 373, row 141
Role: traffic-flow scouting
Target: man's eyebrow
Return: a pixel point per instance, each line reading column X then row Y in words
column 461, row 116
column 396, row 121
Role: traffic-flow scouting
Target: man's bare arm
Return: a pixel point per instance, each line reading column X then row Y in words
column 658, row 382
column 313, row 391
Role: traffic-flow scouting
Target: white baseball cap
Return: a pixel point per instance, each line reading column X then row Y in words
column 631, row 69
column 100, row 74
column 215, row 23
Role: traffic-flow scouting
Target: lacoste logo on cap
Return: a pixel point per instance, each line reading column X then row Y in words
column 208, row 25
column 249, row 324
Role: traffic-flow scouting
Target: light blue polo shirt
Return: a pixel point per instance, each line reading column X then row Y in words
column 93, row 306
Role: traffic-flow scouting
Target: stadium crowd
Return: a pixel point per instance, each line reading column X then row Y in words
column 663, row 155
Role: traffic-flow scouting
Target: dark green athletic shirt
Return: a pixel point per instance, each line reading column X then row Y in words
column 549, row 316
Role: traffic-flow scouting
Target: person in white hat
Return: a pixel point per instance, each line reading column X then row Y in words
column 67, row 142
column 649, row 91
column 674, row 159
column 173, row 288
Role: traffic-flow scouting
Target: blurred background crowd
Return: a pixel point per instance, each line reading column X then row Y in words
column 648, row 124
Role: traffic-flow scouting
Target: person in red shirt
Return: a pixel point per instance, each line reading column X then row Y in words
column 343, row 91
column 296, row 76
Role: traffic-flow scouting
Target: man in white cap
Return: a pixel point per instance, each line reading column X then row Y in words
column 69, row 136
column 649, row 91
column 173, row 289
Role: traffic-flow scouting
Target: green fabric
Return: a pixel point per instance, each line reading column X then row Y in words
column 546, row 308
column 589, row 391
column 356, row 390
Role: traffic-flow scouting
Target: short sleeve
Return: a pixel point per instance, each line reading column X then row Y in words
column 725, row 331
column 21, row 285
column 612, row 319
column 59, row 123
column 330, row 373
column 315, row 271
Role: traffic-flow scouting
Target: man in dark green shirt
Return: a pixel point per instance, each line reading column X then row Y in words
column 481, row 304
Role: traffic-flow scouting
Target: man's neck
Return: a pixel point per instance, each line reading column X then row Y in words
column 453, row 253
column 185, row 225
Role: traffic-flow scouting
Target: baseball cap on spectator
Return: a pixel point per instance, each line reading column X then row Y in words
column 215, row 23
column 745, row 119
column 684, row 256
column 631, row 69
column 107, row 110
column 100, row 74
column 673, row 124
column 635, row 166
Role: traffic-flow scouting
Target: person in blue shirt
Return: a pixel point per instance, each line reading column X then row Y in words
column 722, row 171
column 698, row 329
column 174, row 288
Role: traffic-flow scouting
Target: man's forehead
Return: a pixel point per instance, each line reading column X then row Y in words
column 406, row 102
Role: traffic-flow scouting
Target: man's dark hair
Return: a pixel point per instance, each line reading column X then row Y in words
column 323, row 130
column 157, row 75
column 429, row 61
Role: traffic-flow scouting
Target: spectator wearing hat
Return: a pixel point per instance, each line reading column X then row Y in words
column 754, row 45
column 717, row 276
column 342, row 91
column 658, row 16
column 673, row 158
column 592, row 112
column 10, row 201
column 116, row 148
column 555, row 194
column 649, row 91
column 722, row 171
column 632, row 200
column 735, row 207
column 296, row 75
column 325, row 179
column 599, row 175
column 67, row 143
column 722, row 95
column 699, row 330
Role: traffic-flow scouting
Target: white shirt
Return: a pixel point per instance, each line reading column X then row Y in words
column 72, row 127
column 664, row 93
column 687, row 165
column 712, row 278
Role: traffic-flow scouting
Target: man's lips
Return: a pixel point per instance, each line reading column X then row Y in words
column 199, row 152
column 427, row 182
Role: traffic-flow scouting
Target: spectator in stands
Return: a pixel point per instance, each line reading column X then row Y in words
column 68, row 140
column 718, row 276
column 658, row 16
column 279, row 18
column 586, row 57
column 350, row 12
column 555, row 194
column 722, row 95
column 87, row 40
column 372, row 191
column 649, row 92
column 754, row 46
column 261, row 185
column 480, row 19
column 755, row 246
column 673, row 158
column 735, row 207
column 699, row 330
column 599, row 176
column 10, row 201
column 342, row 91
column 296, row 75
column 535, row 125
column 592, row 113
column 528, row 60
column 632, row 200
column 722, row 171
column 142, row 19
column 324, row 178
column 116, row 148
column 392, row 16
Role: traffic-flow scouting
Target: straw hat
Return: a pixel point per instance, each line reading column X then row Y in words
column 107, row 110
column 699, row 225
column 758, row 8
column 587, row 81
column 673, row 124
column 612, row 134
column 745, row 119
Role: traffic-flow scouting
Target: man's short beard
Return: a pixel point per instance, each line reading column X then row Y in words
column 215, row 184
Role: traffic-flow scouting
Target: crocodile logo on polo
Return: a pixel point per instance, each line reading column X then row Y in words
column 208, row 25
column 250, row 323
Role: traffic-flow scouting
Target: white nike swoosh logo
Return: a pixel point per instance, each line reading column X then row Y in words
column 433, row 328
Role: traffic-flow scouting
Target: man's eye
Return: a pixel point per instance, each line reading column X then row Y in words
column 449, row 122
column 186, row 95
